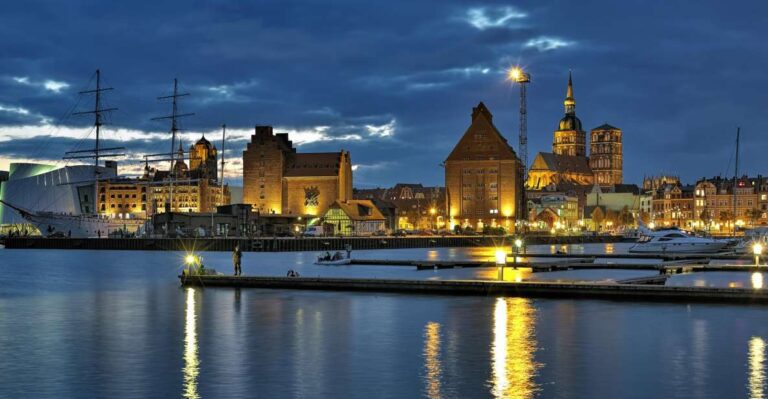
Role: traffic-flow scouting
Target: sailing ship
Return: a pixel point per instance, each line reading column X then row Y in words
column 88, row 224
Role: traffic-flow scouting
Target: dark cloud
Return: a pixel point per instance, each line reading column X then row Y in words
column 677, row 78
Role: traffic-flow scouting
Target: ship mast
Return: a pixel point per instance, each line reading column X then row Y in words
column 174, row 116
column 735, row 178
column 223, row 141
column 97, row 151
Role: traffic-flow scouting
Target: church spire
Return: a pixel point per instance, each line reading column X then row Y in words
column 570, row 102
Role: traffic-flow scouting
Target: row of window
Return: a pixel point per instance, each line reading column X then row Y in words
column 481, row 171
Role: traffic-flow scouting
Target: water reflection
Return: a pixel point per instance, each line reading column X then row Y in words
column 609, row 248
column 432, row 363
column 512, row 351
column 191, row 362
column 757, row 280
column 756, row 368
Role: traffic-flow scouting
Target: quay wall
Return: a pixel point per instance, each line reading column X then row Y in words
column 286, row 244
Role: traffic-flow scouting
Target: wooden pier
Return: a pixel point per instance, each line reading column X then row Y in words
column 644, row 292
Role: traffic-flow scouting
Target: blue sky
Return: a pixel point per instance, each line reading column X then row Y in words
column 393, row 82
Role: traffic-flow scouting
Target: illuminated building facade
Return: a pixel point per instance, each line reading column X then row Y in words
column 353, row 218
column 483, row 176
column 568, row 162
column 194, row 188
column 416, row 207
column 673, row 205
column 605, row 155
column 278, row 180
column 202, row 158
column 714, row 200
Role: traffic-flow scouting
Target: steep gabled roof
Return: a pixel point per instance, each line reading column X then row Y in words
column 359, row 210
column 492, row 146
column 606, row 126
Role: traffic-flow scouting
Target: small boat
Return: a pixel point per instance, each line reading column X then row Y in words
column 335, row 260
column 674, row 240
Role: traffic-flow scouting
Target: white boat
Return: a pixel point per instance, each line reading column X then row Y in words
column 323, row 260
column 87, row 225
column 52, row 224
column 672, row 241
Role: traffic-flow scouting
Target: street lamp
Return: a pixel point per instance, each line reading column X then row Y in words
column 517, row 75
column 518, row 246
column 501, row 261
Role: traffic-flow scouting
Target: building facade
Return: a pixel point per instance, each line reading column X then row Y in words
column 416, row 207
column 483, row 177
column 278, row 180
column 714, row 203
column 353, row 218
column 192, row 187
column 673, row 205
column 568, row 163
column 605, row 155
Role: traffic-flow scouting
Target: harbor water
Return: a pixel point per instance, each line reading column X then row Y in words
column 117, row 324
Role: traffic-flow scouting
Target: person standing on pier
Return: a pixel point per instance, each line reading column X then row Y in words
column 236, row 257
column 348, row 247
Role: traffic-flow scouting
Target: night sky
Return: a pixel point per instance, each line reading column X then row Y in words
column 394, row 82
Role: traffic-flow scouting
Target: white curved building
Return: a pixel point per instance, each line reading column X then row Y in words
column 44, row 188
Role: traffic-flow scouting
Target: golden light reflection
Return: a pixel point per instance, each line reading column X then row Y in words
column 432, row 360
column 191, row 362
column 512, row 350
column 609, row 248
column 756, row 368
column 510, row 273
column 757, row 280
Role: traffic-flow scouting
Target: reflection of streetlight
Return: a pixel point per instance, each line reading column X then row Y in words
column 757, row 280
column 433, row 211
column 757, row 249
column 651, row 225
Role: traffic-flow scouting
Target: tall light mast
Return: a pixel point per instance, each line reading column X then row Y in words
column 522, row 78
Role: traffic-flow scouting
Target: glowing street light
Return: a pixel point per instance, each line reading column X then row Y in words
column 517, row 75
column 190, row 259
column 501, row 261
column 518, row 245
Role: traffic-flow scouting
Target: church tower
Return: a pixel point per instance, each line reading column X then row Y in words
column 569, row 138
column 605, row 155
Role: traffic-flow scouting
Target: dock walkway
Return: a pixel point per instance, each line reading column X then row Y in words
column 490, row 288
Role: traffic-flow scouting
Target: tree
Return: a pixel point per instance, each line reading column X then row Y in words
column 597, row 217
column 706, row 217
column 625, row 217
column 725, row 216
column 754, row 214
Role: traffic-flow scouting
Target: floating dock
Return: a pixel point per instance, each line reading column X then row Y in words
column 637, row 291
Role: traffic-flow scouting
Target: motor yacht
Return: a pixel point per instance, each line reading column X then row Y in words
column 676, row 241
